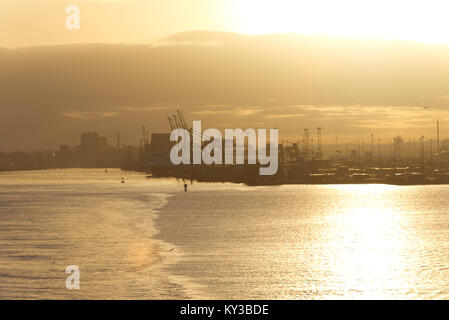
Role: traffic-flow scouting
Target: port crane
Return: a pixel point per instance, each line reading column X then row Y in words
column 178, row 121
column 172, row 124
column 182, row 120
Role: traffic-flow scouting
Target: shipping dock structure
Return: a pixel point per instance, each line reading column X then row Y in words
column 306, row 162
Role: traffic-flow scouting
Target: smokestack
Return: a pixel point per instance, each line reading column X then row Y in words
column 143, row 135
column 438, row 137
column 358, row 149
column 394, row 149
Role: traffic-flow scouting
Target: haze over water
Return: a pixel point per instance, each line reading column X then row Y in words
column 146, row 238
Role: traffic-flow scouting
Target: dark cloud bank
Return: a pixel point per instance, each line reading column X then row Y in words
column 50, row 94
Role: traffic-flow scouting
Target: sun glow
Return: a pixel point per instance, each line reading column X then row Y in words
column 368, row 229
column 415, row 20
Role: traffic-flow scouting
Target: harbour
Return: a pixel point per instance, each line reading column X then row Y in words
column 298, row 162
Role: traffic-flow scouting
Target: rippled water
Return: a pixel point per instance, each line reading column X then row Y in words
column 146, row 238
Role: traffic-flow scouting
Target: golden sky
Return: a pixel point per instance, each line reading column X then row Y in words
column 342, row 66
column 31, row 22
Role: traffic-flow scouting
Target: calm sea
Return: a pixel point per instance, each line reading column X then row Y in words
column 148, row 239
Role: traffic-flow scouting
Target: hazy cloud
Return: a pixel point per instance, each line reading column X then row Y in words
column 89, row 114
column 287, row 81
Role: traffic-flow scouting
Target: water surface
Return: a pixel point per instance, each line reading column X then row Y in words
column 147, row 239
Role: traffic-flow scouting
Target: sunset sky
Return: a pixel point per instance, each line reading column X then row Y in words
column 352, row 67
column 30, row 22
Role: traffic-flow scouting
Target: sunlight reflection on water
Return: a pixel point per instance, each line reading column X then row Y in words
column 219, row 240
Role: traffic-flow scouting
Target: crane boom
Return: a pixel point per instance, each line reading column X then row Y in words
column 177, row 122
column 170, row 121
column 182, row 120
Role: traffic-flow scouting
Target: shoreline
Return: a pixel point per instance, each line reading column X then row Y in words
column 267, row 182
column 281, row 183
column 174, row 257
